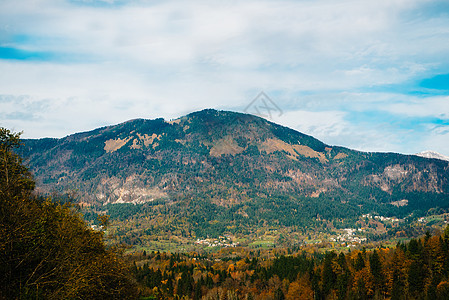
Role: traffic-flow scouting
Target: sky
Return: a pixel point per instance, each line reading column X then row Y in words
column 369, row 75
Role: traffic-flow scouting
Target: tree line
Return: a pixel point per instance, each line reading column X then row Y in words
column 418, row 269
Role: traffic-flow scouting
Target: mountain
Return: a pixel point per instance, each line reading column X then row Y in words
column 212, row 172
column 433, row 154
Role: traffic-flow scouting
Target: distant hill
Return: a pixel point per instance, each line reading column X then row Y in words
column 433, row 154
column 220, row 169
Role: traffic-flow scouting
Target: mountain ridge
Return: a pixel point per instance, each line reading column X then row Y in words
column 433, row 154
column 210, row 167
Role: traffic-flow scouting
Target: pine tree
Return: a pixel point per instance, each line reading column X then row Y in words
column 376, row 270
column 329, row 276
column 279, row 294
column 416, row 277
column 342, row 277
column 359, row 263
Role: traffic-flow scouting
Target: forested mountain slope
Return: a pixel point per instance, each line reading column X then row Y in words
column 225, row 168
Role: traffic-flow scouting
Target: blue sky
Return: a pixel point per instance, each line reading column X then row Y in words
column 370, row 75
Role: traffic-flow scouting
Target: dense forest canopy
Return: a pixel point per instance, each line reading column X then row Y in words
column 418, row 269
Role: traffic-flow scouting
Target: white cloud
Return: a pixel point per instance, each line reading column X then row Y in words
column 437, row 107
column 319, row 124
column 124, row 60
column 438, row 139
column 333, row 127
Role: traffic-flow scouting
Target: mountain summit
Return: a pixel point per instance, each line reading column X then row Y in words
column 141, row 160
column 211, row 165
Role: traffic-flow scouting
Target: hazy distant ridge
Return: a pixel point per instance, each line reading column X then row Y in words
column 433, row 154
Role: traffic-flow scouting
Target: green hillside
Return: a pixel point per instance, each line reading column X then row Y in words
column 215, row 172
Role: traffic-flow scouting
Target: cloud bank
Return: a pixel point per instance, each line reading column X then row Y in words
column 370, row 75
